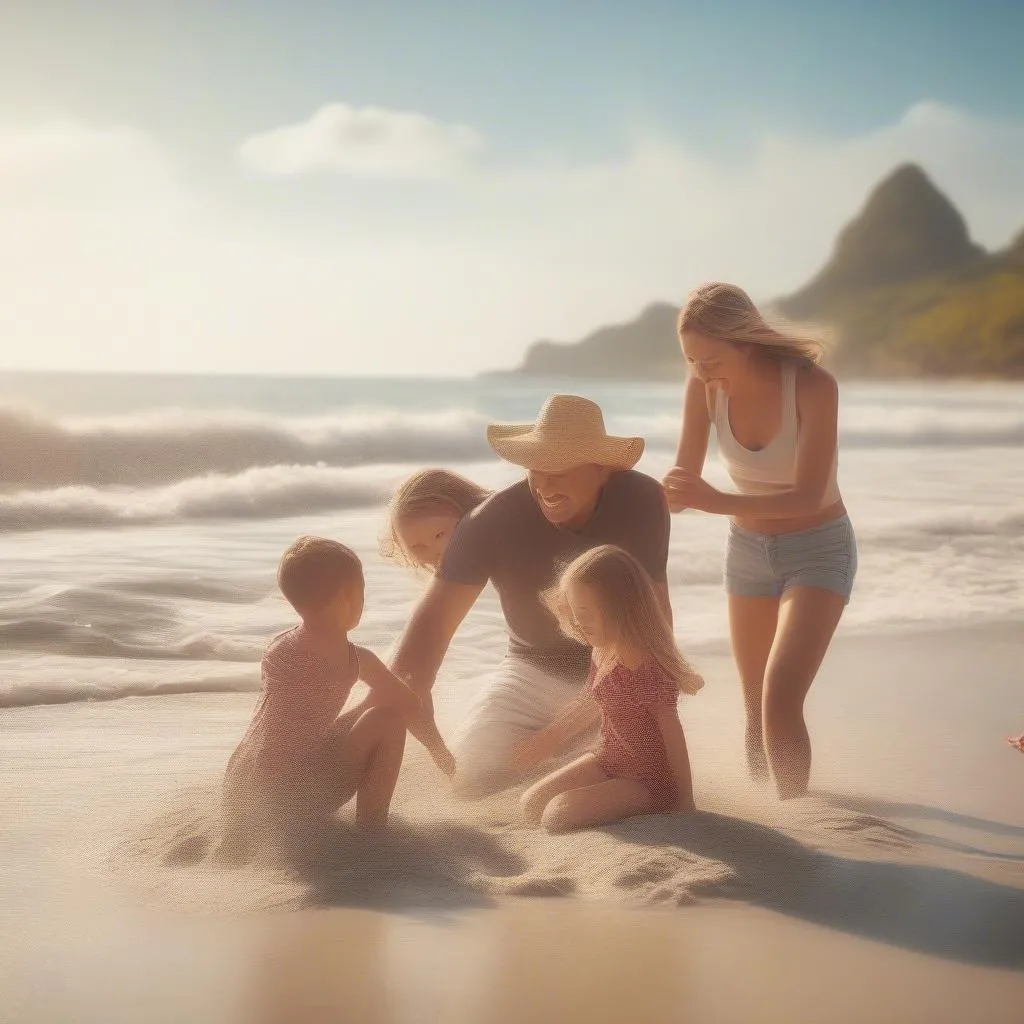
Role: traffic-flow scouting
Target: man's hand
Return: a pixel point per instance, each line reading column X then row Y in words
column 424, row 728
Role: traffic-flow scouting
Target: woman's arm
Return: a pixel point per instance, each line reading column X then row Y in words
column 580, row 713
column 817, row 400
column 675, row 747
column 695, row 432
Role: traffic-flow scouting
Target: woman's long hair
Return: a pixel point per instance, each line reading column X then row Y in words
column 629, row 608
column 726, row 313
column 430, row 492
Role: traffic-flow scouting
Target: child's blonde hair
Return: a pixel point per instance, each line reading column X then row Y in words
column 725, row 312
column 629, row 607
column 430, row 492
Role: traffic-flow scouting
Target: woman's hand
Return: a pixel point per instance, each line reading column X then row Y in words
column 684, row 489
column 528, row 752
column 1017, row 741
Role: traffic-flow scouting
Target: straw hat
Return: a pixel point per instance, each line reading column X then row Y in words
column 569, row 432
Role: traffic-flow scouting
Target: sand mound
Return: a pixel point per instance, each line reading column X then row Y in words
column 810, row 858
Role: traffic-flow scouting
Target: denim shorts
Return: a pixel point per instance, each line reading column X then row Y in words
column 766, row 565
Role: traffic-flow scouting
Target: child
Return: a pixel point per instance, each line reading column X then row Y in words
column 606, row 600
column 423, row 514
column 299, row 761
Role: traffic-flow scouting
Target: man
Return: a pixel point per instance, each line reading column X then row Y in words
column 580, row 491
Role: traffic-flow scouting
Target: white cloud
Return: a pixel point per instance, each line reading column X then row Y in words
column 136, row 271
column 364, row 142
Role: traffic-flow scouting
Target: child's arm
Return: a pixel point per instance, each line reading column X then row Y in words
column 691, row 682
column 582, row 711
column 387, row 688
column 675, row 747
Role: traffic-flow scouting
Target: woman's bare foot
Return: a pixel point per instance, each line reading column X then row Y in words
column 757, row 760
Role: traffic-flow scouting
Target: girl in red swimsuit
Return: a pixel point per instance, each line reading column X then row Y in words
column 605, row 599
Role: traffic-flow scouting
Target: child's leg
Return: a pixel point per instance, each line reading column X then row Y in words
column 366, row 762
column 597, row 804
column 584, row 771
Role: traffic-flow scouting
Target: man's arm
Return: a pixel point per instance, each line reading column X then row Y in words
column 418, row 718
column 661, row 590
column 580, row 713
column 429, row 631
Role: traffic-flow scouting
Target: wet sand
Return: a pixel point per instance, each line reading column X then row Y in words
column 895, row 892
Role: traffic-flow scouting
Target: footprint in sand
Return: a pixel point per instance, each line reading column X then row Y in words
column 871, row 829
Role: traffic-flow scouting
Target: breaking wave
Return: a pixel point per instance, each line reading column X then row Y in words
column 264, row 493
column 40, row 452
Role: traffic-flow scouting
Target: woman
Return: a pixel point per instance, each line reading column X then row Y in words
column 423, row 514
column 791, row 556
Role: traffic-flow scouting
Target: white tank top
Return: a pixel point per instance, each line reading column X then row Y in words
column 772, row 468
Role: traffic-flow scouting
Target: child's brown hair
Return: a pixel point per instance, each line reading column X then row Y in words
column 314, row 569
column 629, row 607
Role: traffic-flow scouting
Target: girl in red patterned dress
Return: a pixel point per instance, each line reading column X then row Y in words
column 606, row 600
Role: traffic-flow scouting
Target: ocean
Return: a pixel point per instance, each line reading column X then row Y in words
column 141, row 518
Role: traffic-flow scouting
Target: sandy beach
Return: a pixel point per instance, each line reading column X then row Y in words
column 894, row 893
column 736, row 289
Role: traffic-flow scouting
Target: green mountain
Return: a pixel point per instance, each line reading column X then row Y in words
column 906, row 291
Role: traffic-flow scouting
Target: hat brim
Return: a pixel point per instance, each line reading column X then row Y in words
column 522, row 446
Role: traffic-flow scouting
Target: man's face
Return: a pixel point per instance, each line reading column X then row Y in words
column 570, row 497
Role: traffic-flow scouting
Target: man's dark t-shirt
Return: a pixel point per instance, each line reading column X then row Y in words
column 507, row 541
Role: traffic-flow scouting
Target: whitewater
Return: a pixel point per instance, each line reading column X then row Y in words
column 141, row 519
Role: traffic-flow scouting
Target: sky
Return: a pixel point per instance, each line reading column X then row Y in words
column 415, row 188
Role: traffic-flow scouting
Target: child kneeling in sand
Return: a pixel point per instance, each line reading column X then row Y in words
column 606, row 600
column 299, row 761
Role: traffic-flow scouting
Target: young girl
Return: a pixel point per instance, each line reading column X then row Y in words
column 300, row 759
column 606, row 600
column 423, row 514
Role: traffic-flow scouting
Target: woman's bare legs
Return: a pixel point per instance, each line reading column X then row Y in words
column 581, row 795
column 808, row 617
column 752, row 625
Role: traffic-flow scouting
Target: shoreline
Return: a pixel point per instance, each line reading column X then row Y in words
column 242, row 677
